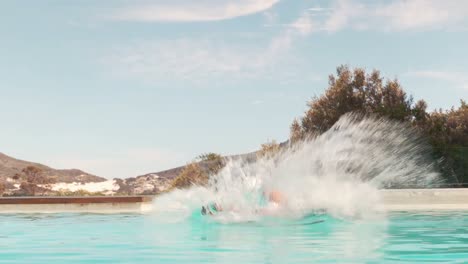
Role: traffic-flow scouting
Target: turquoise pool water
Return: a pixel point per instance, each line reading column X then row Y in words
column 135, row 238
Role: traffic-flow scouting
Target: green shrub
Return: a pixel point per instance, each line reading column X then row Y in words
column 212, row 163
column 360, row 92
column 268, row 150
column 191, row 175
column 80, row 192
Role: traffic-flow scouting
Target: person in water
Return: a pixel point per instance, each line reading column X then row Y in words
column 275, row 201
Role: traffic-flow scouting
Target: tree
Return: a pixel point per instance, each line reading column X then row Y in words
column 33, row 174
column 420, row 114
column 355, row 91
column 448, row 134
column 29, row 189
column 370, row 94
column 34, row 177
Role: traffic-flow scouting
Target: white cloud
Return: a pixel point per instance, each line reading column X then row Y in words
column 459, row 79
column 300, row 27
column 396, row 15
column 256, row 102
column 423, row 14
column 197, row 60
column 318, row 9
column 191, row 11
column 304, row 24
column 342, row 15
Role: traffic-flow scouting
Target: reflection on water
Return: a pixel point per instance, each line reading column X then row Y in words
column 92, row 238
column 273, row 240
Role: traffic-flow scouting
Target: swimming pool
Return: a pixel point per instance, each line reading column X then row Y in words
column 143, row 238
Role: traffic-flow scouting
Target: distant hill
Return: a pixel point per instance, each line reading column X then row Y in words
column 151, row 183
column 172, row 173
column 155, row 182
column 10, row 166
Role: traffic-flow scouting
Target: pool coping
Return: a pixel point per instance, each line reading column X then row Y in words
column 391, row 200
column 448, row 199
column 88, row 204
column 74, row 200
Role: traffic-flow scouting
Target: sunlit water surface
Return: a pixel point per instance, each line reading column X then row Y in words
column 138, row 238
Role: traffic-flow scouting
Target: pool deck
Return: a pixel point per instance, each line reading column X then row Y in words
column 104, row 204
column 392, row 200
column 424, row 199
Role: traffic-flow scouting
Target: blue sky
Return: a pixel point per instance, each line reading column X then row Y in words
column 122, row 88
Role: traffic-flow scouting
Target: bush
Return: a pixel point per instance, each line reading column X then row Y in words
column 354, row 91
column 296, row 134
column 448, row 133
column 212, row 163
column 268, row 150
column 210, row 157
column 191, row 175
column 33, row 176
column 2, row 188
column 369, row 94
column 29, row 189
column 80, row 192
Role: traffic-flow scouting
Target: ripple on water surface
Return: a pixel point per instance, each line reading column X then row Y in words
column 136, row 238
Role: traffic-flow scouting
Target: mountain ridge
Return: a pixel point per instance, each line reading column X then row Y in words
column 10, row 166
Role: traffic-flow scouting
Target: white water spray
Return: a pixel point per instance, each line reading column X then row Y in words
column 339, row 171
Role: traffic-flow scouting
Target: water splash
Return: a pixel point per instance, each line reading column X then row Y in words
column 339, row 171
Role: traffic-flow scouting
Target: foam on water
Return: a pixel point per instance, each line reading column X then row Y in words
column 339, row 171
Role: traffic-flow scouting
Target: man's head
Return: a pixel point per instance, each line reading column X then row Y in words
column 275, row 196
